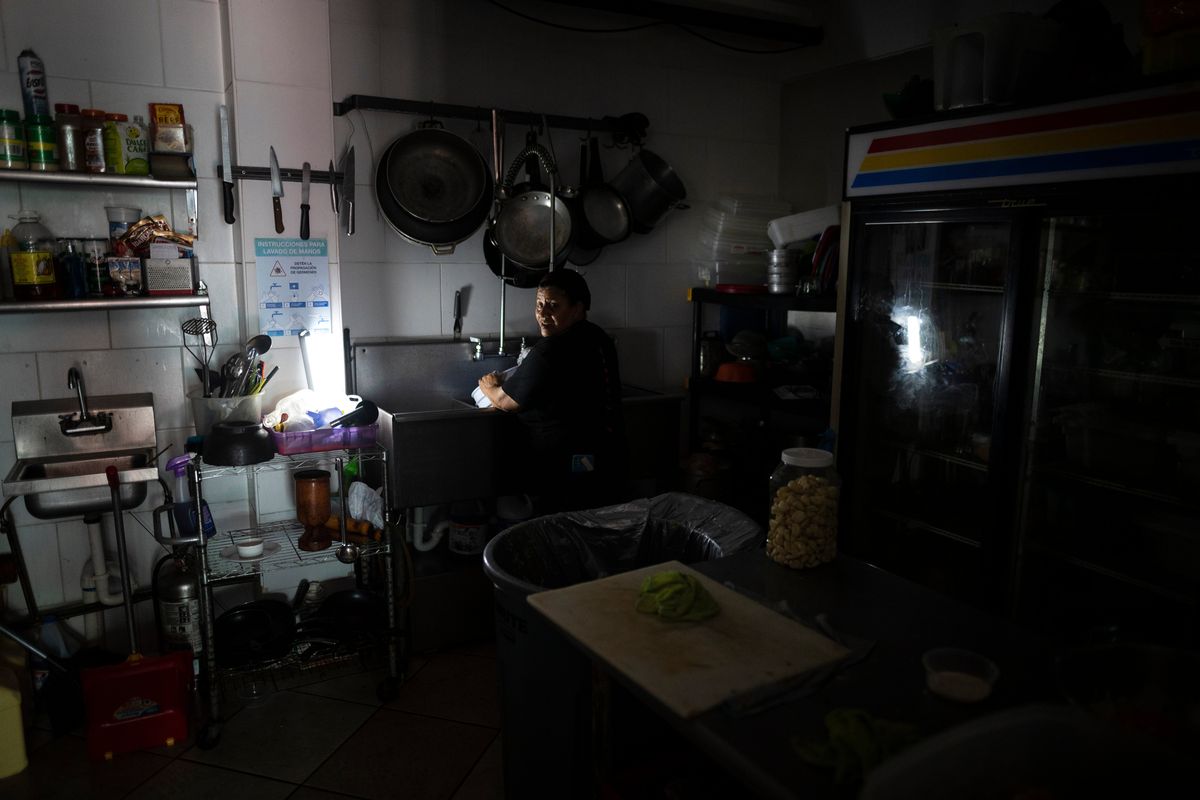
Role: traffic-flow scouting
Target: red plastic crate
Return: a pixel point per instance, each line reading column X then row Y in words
column 290, row 443
column 137, row 705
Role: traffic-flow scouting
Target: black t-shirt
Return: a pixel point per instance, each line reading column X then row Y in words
column 569, row 391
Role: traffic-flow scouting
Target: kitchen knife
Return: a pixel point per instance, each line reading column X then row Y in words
column 348, row 191
column 305, row 177
column 276, row 192
column 226, row 167
column 333, row 198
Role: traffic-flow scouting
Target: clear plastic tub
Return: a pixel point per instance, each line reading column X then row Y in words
column 208, row 411
column 321, row 439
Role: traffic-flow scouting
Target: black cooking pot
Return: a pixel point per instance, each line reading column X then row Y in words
column 650, row 188
column 254, row 632
column 237, row 443
column 441, row 237
column 436, row 176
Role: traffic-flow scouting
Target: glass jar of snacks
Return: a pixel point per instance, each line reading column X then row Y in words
column 802, row 531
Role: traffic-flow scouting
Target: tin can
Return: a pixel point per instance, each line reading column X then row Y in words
column 43, row 144
column 12, row 141
column 33, row 84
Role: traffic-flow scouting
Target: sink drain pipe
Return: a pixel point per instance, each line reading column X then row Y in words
column 95, row 580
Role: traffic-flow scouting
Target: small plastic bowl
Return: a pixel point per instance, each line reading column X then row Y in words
column 250, row 548
column 959, row 675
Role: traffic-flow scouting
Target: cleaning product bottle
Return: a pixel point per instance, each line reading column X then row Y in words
column 184, row 510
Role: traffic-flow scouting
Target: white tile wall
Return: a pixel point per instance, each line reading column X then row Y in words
column 281, row 42
column 18, row 381
column 190, row 29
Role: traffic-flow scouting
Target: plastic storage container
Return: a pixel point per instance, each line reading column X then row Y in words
column 315, row 441
column 804, row 508
column 32, row 259
column 208, row 411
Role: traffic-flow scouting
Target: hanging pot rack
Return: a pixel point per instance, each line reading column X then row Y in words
column 629, row 128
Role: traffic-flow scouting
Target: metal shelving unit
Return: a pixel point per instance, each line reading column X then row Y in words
column 215, row 564
column 103, row 304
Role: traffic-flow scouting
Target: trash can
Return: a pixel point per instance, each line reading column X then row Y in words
column 545, row 683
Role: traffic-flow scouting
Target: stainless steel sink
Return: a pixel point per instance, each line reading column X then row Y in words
column 70, row 487
column 63, row 475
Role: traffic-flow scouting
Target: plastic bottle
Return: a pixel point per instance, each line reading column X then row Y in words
column 114, row 142
column 41, row 143
column 68, row 126
column 32, row 259
column 804, row 508
column 12, row 141
column 93, row 140
column 33, row 83
column 184, row 509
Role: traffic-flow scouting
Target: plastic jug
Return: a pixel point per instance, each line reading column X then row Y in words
column 184, row 510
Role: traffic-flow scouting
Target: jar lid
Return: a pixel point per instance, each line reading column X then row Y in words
column 93, row 112
column 115, row 117
column 9, row 115
column 807, row 457
column 66, row 108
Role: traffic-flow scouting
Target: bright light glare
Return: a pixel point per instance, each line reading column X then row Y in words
column 913, row 354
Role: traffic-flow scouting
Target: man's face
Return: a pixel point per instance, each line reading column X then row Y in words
column 554, row 312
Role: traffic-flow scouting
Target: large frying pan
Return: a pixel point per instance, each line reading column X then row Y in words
column 605, row 216
column 583, row 250
column 436, row 176
column 521, row 228
column 441, row 237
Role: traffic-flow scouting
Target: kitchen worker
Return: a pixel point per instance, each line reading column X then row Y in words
column 567, row 394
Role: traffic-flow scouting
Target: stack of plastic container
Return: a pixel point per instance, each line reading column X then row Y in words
column 732, row 245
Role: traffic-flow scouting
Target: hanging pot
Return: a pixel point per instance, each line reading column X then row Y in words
column 650, row 189
column 441, row 237
column 514, row 274
column 435, row 175
column 605, row 216
column 522, row 225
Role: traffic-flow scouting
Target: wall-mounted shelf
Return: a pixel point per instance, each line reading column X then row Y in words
column 631, row 126
column 103, row 304
column 90, row 179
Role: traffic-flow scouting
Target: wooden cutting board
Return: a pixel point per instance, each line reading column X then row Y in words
column 690, row 667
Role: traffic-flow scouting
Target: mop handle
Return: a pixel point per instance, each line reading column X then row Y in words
column 122, row 555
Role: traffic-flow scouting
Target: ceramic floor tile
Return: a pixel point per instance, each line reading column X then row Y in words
column 454, row 686
column 186, row 780
column 286, row 737
column 486, row 781
column 362, row 687
column 61, row 769
column 404, row 755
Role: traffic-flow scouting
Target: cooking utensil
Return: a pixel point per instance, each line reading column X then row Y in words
column 364, row 414
column 513, row 274
column 440, row 237
column 581, row 253
column 437, row 176
column 199, row 330
column 531, row 210
column 650, row 189
column 261, row 630
column 606, row 217
column 226, row 168
column 305, row 178
column 347, row 202
column 232, row 373
column 276, row 192
column 238, row 443
column 333, row 191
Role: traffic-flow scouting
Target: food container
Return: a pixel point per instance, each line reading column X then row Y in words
column 250, row 548
column 802, row 531
column 321, row 439
column 208, row 411
column 959, row 675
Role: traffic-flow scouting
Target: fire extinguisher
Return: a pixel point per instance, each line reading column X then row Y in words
column 177, row 604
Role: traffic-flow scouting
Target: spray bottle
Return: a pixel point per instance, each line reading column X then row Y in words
column 184, row 510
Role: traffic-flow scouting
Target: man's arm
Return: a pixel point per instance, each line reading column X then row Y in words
column 491, row 386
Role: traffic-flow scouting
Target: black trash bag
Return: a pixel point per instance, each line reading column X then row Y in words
column 560, row 550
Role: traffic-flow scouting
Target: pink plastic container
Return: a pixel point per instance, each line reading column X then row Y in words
column 322, row 439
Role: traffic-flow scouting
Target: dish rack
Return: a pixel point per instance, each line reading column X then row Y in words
column 215, row 562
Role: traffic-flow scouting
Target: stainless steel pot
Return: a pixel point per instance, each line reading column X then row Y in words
column 650, row 188
column 522, row 225
column 441, row 237
column 437, row 176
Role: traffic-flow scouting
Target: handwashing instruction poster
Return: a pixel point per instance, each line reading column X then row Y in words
column 293, row 286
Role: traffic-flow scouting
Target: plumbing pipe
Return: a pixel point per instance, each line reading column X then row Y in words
column 93, row 623
column 100, row 563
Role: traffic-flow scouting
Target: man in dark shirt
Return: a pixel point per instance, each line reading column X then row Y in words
column 567, row 394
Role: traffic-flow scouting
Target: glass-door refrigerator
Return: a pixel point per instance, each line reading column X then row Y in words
column 1019, row 368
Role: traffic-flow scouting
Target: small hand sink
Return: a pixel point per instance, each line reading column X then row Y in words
column 69, row 486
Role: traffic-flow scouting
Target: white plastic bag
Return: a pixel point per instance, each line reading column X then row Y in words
column 365, row 503
column 298, row 405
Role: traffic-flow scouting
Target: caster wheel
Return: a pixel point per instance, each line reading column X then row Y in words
column 387, row 690
column 209, row 736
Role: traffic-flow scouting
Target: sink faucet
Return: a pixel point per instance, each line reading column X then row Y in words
column 86, row 422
